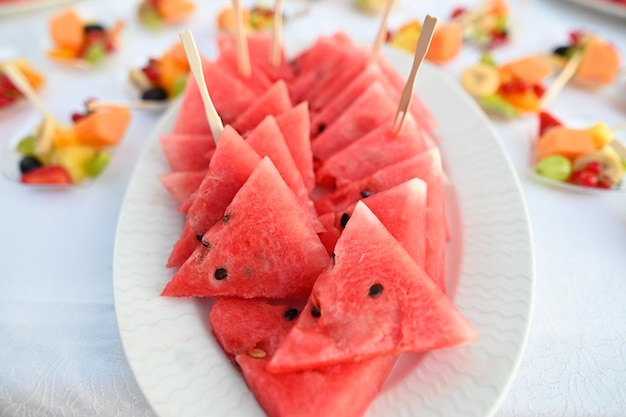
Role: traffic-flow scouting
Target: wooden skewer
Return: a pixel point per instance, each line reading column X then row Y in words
column 133, row 105
column 243, row 56
column 382, row 32
column 189, row 44
column 423, row 43
column 564, row 77
column 22, row 84
column 277, row 34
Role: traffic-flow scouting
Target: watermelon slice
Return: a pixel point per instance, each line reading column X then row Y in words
column 273, row 102
column 257, row 81
column 295, row 126
column 229, row 95
column 231, row 165
column 426, row 166
column 401, row 209
column 376, row 150
column 250, row 330
column 267, row 140
column 260, row 48
column 369, row 111
column 186, row 152
column 182, row 184
column 373, row 283
column 264, row 246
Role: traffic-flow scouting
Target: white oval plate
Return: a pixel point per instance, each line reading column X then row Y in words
column 182, row 370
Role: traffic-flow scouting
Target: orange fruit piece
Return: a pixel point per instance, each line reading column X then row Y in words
column 568, row 142
column 599, row 64
column 174, row 11
column 103, row 128
column 67, row 30
column 530, row 69
column 525, row 101
column 446, row 43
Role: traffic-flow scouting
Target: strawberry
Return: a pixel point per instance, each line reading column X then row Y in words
column 547, row 121
column 52, row 174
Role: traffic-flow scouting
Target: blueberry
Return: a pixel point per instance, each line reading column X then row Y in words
column 156, row 94
column 94, row 27
column 29, row 163
column 561, row 50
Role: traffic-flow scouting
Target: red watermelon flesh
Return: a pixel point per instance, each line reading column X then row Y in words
column 401, row 209
column 426, row 166
column 321, row 52
column 375, row 300
column 273, row 102
column 182, row 184
column 260, row 49
column 369, row 111
column 186, row 152
column 250, row 330
column 229, row 95
column 267, row 140
column 419, row 110
column 264, row 246
column 257, row 81
column 231, row 165
column 294, row 126
column 377, row 149
column 324, row 116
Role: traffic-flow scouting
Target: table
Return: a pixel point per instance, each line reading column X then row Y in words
column 61, row 353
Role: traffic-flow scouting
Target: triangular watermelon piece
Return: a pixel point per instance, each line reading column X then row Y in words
column 374, row 151
column 342, row 78
column 267, row 140
column 231, row 165
column 257, row 81
column 295, row 126
column 260, row 48
column 250, row 331
column 273, row 102
column 264, row 246
column 426, row 166
column 401, row 209
column 185, row 152
column 229, row 95
column 369, row 111
column 375, row 283
column 182, row 184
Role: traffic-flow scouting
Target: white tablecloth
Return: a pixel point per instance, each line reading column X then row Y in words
column 60, row 350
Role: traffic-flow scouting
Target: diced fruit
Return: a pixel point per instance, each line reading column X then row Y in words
column 26, row 146
column 525, row 101
column 555, row 167
column 571, row 143
column 600, row 63
column 65, row 135
column 546, row 122
column 370, row 6
column 611, row 164
column 531, row 69
column 103, row 128
column 179, row 85
column 154, row 94
column 53, row 174
column 75, row 160
column 481, row 80
column 488, row 59
column 446, row 43
column 174, row 11
column 497, row 105
column 98, row 163
column 29, row 163
column 406, row 37
column 602, row 134
column 139, row 79
column 67, row 30
column 95, row 53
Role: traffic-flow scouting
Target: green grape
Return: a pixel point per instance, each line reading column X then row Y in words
column 179, row 85
column 95, row 53
column 555, row 167
column 26, row 146
column 98, row 164
column 497, row 105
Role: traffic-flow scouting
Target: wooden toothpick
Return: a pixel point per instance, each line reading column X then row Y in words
column 132, row 105
column 243, row 56
column 382, row 32
column 563, row 78
column 21, row 83
column 423, row 43
column 195, row 64
column 277, row 30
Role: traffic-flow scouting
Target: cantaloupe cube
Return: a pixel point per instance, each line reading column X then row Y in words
column 570, row 143
column 35, row 79
column 525, row 101
column 446, row 44
column 105, row 127
column 174, row 11
column 530, row 69
column 67, row 30
column 599, row 64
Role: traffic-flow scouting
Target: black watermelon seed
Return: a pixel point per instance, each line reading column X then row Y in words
column 226, row 218
column 220, row 274
column 366, row 193
column 291, row 314
column 344, row 220
column 321, row 128
column 375, row 290
column 333, row 257
column 315, row 311
column 199, row 237
column 205, row 244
